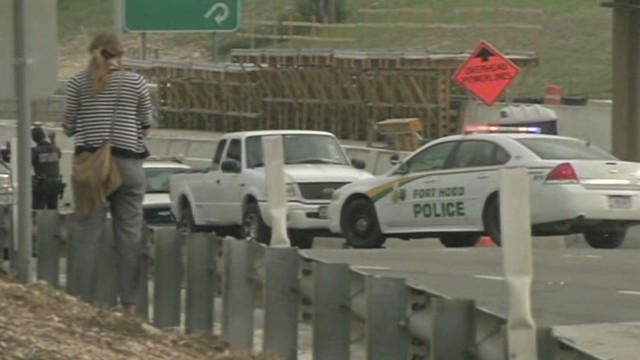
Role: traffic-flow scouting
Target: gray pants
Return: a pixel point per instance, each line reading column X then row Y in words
column 89, row 240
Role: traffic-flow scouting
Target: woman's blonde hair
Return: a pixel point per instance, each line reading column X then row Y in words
column 103, row 48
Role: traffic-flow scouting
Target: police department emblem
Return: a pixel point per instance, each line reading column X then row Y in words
column 399, row 195
column 402, row 194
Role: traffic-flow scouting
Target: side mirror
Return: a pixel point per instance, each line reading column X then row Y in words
column 402, row 169
column 230, row 166
column 358, row 164
column 394, row 159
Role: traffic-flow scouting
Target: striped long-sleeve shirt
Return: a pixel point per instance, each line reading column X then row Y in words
column 88, row 117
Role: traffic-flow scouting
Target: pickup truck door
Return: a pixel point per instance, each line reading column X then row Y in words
column 205, row 189
column 230, row 186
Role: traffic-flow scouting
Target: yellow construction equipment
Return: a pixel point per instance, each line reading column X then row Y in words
column 402, row 134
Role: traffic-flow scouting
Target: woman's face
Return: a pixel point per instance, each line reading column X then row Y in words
column 115, row 62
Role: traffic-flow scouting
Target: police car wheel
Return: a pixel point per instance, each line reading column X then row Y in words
column 360, row 225
column 605, row 239
column 454, row 241
column 253, row 226
column 491, row 219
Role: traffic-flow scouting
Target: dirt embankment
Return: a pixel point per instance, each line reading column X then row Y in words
column 38, row 322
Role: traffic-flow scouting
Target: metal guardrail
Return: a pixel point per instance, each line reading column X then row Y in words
column 392, row 319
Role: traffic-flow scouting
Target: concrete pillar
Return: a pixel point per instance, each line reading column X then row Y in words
column 626, row 80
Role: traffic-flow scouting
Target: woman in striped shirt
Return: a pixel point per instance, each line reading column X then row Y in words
column 103, row 103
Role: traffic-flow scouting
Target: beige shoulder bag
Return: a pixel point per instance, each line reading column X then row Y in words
column 95, row 175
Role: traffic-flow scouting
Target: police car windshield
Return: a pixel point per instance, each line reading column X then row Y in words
column 564, row 149
column 158, row 179
column 299, row 149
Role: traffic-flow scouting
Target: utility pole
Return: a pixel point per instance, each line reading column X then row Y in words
column 23, row 62
column 118, row 18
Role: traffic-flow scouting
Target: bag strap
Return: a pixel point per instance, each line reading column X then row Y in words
column 115, row 110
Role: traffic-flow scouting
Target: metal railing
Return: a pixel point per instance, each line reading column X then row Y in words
column 389, row 317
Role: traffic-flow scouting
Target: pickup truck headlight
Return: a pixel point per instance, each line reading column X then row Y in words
column 291, row 190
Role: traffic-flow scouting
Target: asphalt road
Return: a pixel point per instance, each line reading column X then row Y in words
column 573, row 286
column 589, row 297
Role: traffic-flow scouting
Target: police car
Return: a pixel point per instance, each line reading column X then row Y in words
column 449, row 189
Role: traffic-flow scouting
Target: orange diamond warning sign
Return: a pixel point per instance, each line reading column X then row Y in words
column 487, row 73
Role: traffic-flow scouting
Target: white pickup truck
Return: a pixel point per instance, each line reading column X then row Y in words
column 229, row 197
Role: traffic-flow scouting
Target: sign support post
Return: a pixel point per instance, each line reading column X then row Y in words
column 23, row 63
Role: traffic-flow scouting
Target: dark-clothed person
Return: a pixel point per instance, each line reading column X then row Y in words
column 104, row 103
column 45, row 159
column 5, row 153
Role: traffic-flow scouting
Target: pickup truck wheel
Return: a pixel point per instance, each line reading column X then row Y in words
column 301, row 239
column 605, row 239
column 360, row 226
column 253, row 227
column 187, row 223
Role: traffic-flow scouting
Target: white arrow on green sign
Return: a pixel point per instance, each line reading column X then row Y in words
column 182, row 15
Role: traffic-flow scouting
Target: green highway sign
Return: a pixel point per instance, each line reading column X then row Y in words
column 181, row 15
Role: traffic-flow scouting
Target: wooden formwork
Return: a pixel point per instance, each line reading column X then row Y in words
column 338, row 91
column 202, row 95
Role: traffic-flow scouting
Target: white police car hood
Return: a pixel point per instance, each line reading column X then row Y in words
column 304, row 173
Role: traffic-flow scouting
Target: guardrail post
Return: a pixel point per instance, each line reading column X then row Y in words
column 453, row 329
column 238, row 296
column 282, row 302
column 48, row 248
column 331, row 317
column 491, row 335
column 71, row 235
column 201, row 265
column 546, row 341
column 143, row 289
column 168, row 278
column 515, row 224
column 106, row 292
column 386, row 311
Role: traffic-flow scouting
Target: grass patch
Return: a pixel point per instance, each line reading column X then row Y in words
column 574, row 43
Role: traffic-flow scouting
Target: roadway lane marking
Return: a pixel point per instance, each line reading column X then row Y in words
column 628, row 292
column 582, row 256
column 372, row 267
column 488, row 277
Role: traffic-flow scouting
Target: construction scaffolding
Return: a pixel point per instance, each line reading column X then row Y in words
column 343, row 92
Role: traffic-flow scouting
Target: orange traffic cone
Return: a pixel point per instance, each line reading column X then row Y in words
column 485, row 241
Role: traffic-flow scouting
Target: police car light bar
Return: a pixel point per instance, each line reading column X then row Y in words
column 486, row 129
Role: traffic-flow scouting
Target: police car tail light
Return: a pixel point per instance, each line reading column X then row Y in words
column 562, row 174
column 487, row 129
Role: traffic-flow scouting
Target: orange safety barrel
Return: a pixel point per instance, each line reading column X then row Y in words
column 553, row 95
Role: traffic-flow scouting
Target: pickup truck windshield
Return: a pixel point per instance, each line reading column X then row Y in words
column 299, row 149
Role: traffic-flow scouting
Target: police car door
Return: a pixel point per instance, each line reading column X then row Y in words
column 413, row 197
column 474, row 175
